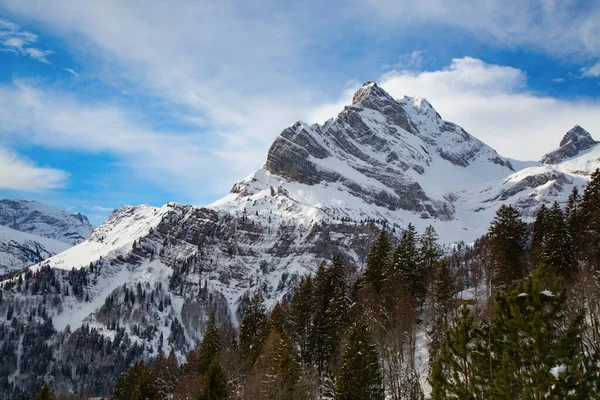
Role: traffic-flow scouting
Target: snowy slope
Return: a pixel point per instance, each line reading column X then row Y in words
column 324, row 190
column 20, row 249
column 43, row 220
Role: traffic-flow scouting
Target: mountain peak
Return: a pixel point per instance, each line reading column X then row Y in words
column 368, row 89
column 575, row 141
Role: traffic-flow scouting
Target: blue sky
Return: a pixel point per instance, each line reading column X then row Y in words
column 104, row 103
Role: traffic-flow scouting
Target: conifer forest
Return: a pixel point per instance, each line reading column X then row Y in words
column 513, row 317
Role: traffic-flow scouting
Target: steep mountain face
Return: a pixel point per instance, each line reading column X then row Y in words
column 378, row 148
column 149, row 277
column 20, row 249
column 575, row 142
column 42, row 220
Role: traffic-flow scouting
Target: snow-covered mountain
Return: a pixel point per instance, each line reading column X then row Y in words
column 20, row 249
column 31, row 231
column 43, row 220
column 325, row 189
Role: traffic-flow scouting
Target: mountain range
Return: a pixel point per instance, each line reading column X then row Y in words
column 324, row 190
column 31, row 231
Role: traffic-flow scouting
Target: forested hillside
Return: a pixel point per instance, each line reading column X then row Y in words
column 513, row 317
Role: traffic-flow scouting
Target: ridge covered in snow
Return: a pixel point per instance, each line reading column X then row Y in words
column 20, row 249
column 43, row 220
column 324, row 190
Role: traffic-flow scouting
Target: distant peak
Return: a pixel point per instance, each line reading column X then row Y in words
column 574, row 142
column 368, row 89
column 577, row 135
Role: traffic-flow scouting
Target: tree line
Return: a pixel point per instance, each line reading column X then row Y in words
column 394, row 330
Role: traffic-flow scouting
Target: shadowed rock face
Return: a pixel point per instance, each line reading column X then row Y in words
column 573, row 143
column 378, row 139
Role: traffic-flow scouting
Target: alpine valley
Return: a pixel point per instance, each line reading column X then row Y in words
column 148, row 278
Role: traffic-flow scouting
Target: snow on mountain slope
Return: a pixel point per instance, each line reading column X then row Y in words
column 20, row 249
column 113, row 238
column 43, row 220
column 324, row 190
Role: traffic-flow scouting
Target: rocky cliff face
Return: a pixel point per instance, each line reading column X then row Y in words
column 149, row 277
column 377, row 148
column 573, row 143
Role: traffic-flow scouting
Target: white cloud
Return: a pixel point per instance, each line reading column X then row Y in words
column 18, row 41
column 71, row 71
column 22, row 175
column 566, row 27
column 191, row 162
column 100, row 208
column 492, row 103
column 591, row 72
column 236, row 72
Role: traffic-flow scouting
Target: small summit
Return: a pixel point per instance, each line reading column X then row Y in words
column 368, row 89
column 574, row 142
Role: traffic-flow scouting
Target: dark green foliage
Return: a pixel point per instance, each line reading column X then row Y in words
column 454, row 375
column 540, row 229
column 558, row 252
column 45, row 394
column 407, row 266
column 442, row 307
column 165, row 370
column 359, row 377
column 429, row 253
column 301, row 312
column 507, row 236
column 378, row 262
column 215, row 386
column 532, row 337
column 254, row 330
column 210, row 345
column 136, row 384
column 590, row 208
column 575, row 219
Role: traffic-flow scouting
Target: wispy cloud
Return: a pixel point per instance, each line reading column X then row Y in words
column 20, row 174
column 592, row 71
column 100, row 208
column 16, row 40
column 71, row 71
column 565, row 28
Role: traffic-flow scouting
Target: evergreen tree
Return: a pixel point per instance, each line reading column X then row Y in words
column 45, row 393
column 558, row 252
column 444, row 289
column 277, row 371
column 301, row 314
column 199, row 359
column 590, row 208
column 165, row 370
column 534, row 334
column 137, row 383
column 278, row 320
column 429, row 253
column 574, row 219
column 507, row 237
column 454, row 375
column 540, row 229
column 215, row 386
column 253, row 330
column 359, row 377
column 406, row 264
column 378, row 262
column 337, row 322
